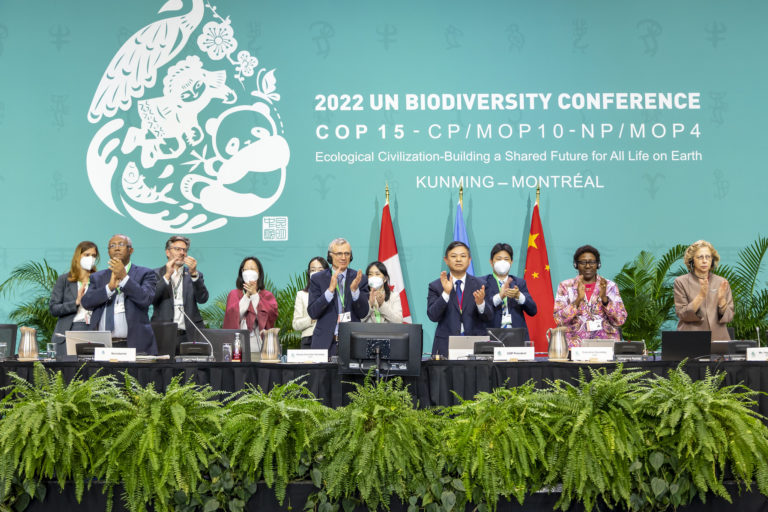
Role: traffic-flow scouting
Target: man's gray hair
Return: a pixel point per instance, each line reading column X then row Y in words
column 176, row 238
column 124, row 237
column 337, row 241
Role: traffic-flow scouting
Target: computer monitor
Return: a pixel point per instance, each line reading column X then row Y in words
column 509, row 336
column 679, row 345
column 84, row 343
column 397, row 346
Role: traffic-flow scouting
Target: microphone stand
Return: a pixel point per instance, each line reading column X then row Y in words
column 189, row 320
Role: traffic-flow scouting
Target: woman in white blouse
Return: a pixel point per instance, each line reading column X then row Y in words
column 301, row 320
column 249, row 305
column 385, row 306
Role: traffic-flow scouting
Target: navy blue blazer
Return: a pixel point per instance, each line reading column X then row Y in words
column 515, row 309
column 448, row 317
column 139, row 292
column 193, row 293
column 62, row 305
column 326, row 313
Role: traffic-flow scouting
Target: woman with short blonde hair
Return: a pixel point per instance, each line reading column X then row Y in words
column 703, row 300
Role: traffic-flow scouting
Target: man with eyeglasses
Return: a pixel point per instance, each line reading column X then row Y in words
column 119, row 297
column 180, row 288
column 589, row 305
column 336, row 295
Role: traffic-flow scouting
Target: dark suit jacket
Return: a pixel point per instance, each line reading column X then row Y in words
column 448, row 317
column 326, row 313
column 139, row 292
column 62, row 305
column 515, row 309
column 193, row 293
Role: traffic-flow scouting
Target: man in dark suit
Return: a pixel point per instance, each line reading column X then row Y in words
column 457, row 302
column 120, row 297
column 509, row 294
column 336, row 295
column 179, row 290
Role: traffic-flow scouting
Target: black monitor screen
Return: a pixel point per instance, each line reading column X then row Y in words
column 396, row 347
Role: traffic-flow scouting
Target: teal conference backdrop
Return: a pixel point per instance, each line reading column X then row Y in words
column 271, row 127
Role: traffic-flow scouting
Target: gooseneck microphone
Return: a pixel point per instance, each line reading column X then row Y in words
column 189, row 321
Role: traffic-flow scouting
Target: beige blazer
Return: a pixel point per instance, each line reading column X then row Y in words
column 391, row 311
column 709, row 317
column 301, row 320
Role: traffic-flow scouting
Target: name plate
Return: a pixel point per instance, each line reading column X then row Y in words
column 115, row 354
column 307, row 356
column 513, row 354
column 592, row 354
column 757, row 354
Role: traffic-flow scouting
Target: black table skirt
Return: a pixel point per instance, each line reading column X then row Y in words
column 434, row 387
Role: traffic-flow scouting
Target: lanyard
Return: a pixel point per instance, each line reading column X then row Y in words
column 176, row 286
column 341, row 294
column 501, row 283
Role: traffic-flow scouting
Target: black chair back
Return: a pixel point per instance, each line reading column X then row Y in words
column 8, row 336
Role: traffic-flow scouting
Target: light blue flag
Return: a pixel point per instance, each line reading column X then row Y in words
column 460, row 234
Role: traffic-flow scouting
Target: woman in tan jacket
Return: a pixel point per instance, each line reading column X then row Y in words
column 703, row 300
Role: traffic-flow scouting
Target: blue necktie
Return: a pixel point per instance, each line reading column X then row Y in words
column 109, row 320
column 459, row 293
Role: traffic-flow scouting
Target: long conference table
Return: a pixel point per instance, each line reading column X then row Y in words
column 434, row 387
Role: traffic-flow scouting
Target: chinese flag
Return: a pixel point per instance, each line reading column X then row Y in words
column 539, row 283
column 388, row 256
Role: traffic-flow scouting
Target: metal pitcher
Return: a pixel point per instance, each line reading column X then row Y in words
column 270, row 345
column 28, row 345
column 558, row 346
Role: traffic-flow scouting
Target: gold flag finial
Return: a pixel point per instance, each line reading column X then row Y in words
column 461, row 196
column 386, row 191
column 538, row 193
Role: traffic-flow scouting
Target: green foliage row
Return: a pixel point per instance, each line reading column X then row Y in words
column 622, row 439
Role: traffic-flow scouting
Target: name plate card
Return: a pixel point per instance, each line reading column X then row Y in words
column 592, row 354
column 126, row 354
column 757, row 354
column 513, row 354
column 307, row 356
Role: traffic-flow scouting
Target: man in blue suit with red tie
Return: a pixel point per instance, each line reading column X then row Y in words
column 457, row 300
column 120, row 297
column 336, row 295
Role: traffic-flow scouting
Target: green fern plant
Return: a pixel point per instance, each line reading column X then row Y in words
column 267, row 435
column 645, row 285
column 498, row 440
column 596, row 440
column 49, row 426
column 696, row 430
column 750, row 300
column 160, row 441
column 286, row 299
column 377, row 446
column 33, row 280
column 213, row 312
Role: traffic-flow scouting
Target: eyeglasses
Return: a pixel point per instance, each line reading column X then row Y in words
column 118, row 244
column 342, row 254
column 587, row 263
column 703, row 257
column 178, row 249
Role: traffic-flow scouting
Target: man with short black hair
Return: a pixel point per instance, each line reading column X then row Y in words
column 120, row 297
column 180, row 288
column 457, row 301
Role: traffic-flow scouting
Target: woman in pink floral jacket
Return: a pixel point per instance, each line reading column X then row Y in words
column 589, row 305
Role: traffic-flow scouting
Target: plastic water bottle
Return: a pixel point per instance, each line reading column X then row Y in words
column 237, row 355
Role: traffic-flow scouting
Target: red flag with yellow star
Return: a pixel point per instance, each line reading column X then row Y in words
column 539, row 283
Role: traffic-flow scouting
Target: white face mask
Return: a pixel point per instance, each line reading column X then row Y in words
column 501, row 267
column 87, row 262
column 375, row 282
column 250, row 275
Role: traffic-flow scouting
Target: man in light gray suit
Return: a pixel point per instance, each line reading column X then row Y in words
column 180, row 288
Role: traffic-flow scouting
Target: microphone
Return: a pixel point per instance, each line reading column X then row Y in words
column 189, row 320
column 490, row 333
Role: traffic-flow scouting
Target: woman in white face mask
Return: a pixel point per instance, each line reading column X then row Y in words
column 250, row 306
column 69, row 290
column 301, row 319
column 384, row 305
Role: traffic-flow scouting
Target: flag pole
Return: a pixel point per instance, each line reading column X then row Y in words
column 538, row 193
column 387, row 193
column 461, row 196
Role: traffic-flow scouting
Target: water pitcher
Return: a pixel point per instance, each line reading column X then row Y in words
column 270, row 345
column 558, row 346
column 28, row 345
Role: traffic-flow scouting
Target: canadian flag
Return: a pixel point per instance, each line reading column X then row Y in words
column 388, row 256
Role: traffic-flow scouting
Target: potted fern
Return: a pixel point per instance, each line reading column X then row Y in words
column 36, row 279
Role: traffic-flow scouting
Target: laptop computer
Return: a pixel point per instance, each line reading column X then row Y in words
column 218, row 337
column 91, row 339
column 679, row 345
column 460, row 347
column 510, row 336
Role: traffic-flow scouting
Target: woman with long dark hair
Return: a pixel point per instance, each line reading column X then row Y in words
column 249, row 305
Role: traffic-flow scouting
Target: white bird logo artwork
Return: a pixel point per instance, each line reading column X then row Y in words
column 183, row 122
